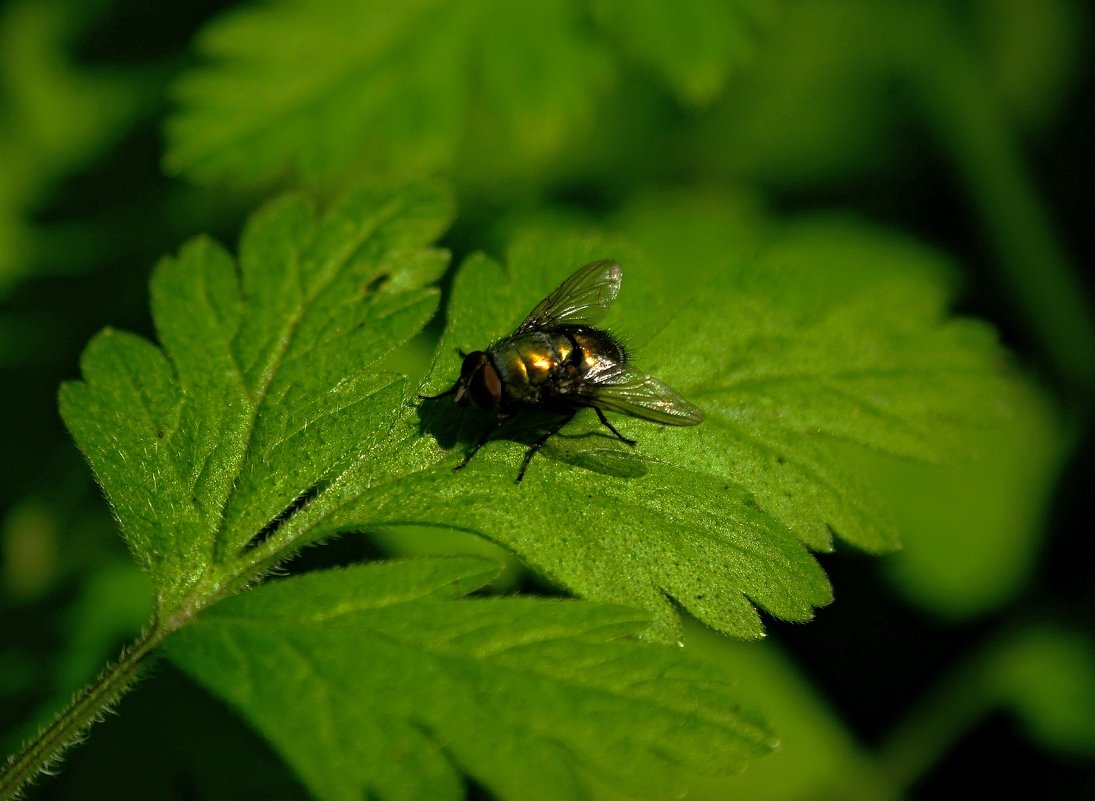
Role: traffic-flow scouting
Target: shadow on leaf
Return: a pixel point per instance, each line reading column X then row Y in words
column 452, row 426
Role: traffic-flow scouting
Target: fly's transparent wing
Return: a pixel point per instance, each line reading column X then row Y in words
column 582, row 299
column 621, row 389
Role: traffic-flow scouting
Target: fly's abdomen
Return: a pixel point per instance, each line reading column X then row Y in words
column 552, row 366
column 594, row 349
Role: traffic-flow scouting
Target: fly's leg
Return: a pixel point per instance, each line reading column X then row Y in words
column 482, row 441
column 540, row 443
column 612, row 428
column 451, row 390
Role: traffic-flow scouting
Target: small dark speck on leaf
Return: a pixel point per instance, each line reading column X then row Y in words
column 377, row 283
column 699, row 596
column 780, row 460
column 159, row 433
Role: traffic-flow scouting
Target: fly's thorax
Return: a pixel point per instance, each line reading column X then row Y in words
column 530, row 361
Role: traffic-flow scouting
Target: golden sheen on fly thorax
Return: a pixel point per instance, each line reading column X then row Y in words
column 557, row 361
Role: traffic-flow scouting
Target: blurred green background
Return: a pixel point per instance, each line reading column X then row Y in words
column 126, row 127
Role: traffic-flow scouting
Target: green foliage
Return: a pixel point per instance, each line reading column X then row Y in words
column 263, row 388
column 816, row 106
column 782, row 358
column 694, row 44
column 278, row 410
column 398, row 684
column 274, row 404
column 1047, row 674
column 316, row 87
column 961, row 558
column 265, row 423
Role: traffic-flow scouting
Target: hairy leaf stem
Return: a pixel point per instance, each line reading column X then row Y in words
column 86, row 707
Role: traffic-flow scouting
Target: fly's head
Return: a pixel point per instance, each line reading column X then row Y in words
column 479, row 382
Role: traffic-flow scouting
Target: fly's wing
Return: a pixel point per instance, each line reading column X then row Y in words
column 582, row 299
column 622, row 389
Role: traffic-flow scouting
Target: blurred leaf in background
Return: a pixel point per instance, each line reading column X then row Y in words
column 973, row 533
column 823, row 102
column 432, row 84
column 56, row 117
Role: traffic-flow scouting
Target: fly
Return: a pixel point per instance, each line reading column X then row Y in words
column 558, row 361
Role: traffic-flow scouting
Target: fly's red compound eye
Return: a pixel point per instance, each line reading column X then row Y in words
column 486, row 387
column 481, row 381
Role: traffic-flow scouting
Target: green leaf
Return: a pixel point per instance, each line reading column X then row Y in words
column 835, row 333
column 695, row 44
column 630, row 527
column 317, row 87
column 261, row 427
column 832, row 328
column 378, row 681
column 1031, row 52
column 1047, row 675
column 264, row 422
column 266, row 384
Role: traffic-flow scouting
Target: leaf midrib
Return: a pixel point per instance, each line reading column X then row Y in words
column 327, row 273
